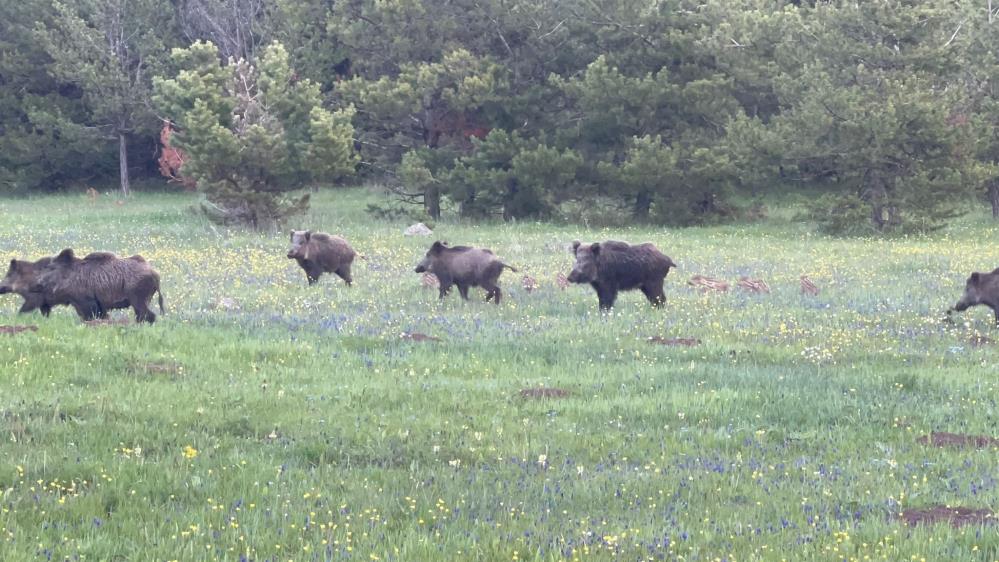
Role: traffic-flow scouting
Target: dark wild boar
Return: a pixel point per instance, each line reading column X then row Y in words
column 21, row 275
column 100, row 282
column 319, row 253
column 465, row 267
column 981, row 288
column 614, row 266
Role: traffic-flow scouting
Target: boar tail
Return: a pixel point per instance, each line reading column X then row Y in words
column 510, row 267
column 363, row 257
column 160, row 294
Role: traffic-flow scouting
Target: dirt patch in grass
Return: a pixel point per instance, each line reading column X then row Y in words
column 956, row 516
column 544, row 392
column 108, row 322
column 17, row 329
column 168, row 368
column 274, row 436
column 13, row 426
column 675, row 342
column 943, row 439
column 416, row 336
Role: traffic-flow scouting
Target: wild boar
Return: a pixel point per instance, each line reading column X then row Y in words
column 981, row 288
column 465, row 267
column 21, row 275
column 100, row 282
column 614, row 266
column 320, row 252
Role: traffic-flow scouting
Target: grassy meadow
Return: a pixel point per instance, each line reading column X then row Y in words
column 261, row 419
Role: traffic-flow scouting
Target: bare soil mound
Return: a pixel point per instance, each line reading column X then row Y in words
column 978, row 341
column 674, row 342
column 416, row 336
column 956, row 516
column 107, row 322
column 544, row 392
column 943, row 439
column 17, row 329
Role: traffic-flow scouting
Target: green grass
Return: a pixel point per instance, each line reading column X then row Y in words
column 314, row 432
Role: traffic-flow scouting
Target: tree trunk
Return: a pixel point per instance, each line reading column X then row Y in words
column 511, row 191
column 467, row 206
column 994, row 198
column 432, row 201
column 875, row 192
column 126, row 188
column 643, row 202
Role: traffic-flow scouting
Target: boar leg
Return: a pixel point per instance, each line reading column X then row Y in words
column 312, row 273
column 492, row 291
column 142, row 312
column 140, row 298
column 140, row 304
column 89, row 309
column 28, row 306
column 445, row 284
column 463, row 289
column 344, row 273
column 654, row 292
column 605, row 296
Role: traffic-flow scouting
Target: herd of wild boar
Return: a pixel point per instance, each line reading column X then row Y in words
column 102, row 281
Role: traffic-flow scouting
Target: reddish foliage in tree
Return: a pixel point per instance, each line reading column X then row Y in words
column 455, row 128
column 171, row 159
column 477, row 132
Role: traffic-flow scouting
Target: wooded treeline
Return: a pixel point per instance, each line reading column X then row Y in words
column 881, row 114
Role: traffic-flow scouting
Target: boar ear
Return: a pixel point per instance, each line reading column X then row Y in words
column 13, row 265
column 975, row 277
column 65, row 256
column 308, row 235
column 438, row 246
column 595, row 248
column 575, row 246
column 293, row 235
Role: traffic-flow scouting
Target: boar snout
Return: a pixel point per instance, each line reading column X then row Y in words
column 4, row 289
column 420, row 268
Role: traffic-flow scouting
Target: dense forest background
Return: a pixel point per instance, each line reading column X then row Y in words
column 880, row 115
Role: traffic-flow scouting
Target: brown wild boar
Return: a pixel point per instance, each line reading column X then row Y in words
column 20, row 276
column 318, row 252
column 981, row 288
column 614, row 266
column 100, row 282
column 465, row 267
